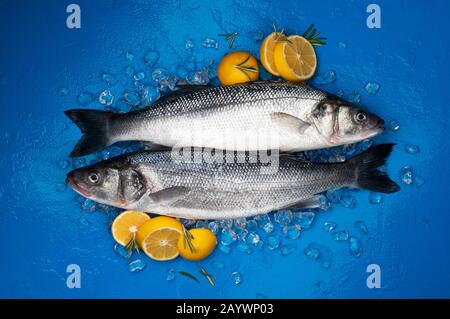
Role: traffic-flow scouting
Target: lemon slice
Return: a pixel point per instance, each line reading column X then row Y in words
column 125, row 226
column 158, row 237
column 266, row 52
column 295, row 59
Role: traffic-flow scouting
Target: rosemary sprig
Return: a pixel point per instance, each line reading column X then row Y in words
column 132, row 244
column 244, row 69
column 207, row 275
column 186, row 274
column 311, row 34
column 188, row 240
column 279, row 35
column 230, row 37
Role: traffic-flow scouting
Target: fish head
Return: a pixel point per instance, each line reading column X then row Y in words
column 341, row 122
column 110, row 182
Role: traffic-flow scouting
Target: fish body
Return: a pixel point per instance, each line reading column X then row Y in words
column 247, row 117
column 183, row 184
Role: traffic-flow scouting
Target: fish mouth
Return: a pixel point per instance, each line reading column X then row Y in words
column 71, row 182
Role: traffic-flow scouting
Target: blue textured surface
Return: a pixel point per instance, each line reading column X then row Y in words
column 43, row 230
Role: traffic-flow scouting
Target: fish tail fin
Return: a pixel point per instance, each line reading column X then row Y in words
column 95, row 126
column 367, row 174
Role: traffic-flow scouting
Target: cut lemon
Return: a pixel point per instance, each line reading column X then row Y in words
column 266, row 53
column 237, row 67
column 125, row 226
column 202, row 244
column 295, row 59
column 158, row 237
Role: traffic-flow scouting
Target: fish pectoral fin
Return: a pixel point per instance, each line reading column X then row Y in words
column 170, row 194
column 289, row 122
column 149, row 146
column 312, row 202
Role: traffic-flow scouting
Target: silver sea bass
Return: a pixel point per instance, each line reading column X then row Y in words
column 178, row 186
column 256, row 116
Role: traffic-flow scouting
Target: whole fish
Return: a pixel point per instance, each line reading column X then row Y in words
column 257, row 116
column 169, row 184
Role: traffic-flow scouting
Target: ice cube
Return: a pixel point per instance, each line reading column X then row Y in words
column 342, row 45
column 210, row 43
column 63, row 163
column 361, row 227
column 268, row 226
column 136, row 265
column 252, row 225
column 304, row 219
column 244, row 248
column 139, row 76
column 418, row 181
column 329, row 226
column 182, row 72
column 151, row 58
column 132, row 98
column 393, row 125
column 406, row 175
column 106, row 98
column 312, row 252
column 129, row 71
column 189, row 45
column 283, row 217
column 355, row 246
column 228, row 236
column 348, row 201
column 129, row 56
column 324, row 203
column 198, row 77
column 326, row 264
column 236, row 277
column 122, row 251
column 170, row 274
column 160, row 74
column 292, row 232
column 63, row 91
column 213, row 226
column 334, row 195
column 88, row 205
column 252, row 238
column 257, row 36
column 411, row 148
column 242, row 234
column 375, row 198
column 85, row 98
column 240, row 223
column 225, row 223
column 273, row 242
column 355, row 97
column 325, row 78
column 218, row 264
column 201, row 224
column 341, row 235
column 288, row 249
column 168, row 84
column 372, row 88
column 149, row 94
column 340, row 93
column 224, row 248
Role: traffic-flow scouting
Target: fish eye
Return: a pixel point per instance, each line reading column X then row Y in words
column 94, row 177
column 360, row 117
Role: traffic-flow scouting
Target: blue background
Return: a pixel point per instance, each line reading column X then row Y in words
column 42, row 230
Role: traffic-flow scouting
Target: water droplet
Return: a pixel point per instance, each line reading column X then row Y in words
column 85, row 98
column 325, row 78
column 63, row 91
column 361, row 227
column 257, row 36
column 355, row 97
column 129, row 56
column 136, row 265
column 109, row 79
column 88, row 205
column 412, row 149
column 61, row 187
column 210, row 43
column 341, row 235
column 218, row 264
column 329, row 226
column 170, row 274
column 224, row 248
column 139, row 76
column 375, row 198
column 106, row 98
column 312, row 252
column 348, row 201
column 342, row 45
column 288, row 249
column 355, row 246
column 244, row 248
column 63, row 163
column 236, row 278
column 393, row 125
column 406, row 175
column 372, row 88
column 189, row 45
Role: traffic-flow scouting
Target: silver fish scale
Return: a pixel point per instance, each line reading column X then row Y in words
column 209, row 98
column 240, row 186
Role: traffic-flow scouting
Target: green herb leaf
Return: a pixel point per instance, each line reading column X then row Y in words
column 311, row 34
column 230, row 37
column 188, row 240
column 208, row 276
column 186, row 274
column 132, row 244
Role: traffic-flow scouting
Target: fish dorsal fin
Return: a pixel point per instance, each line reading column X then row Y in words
column 183, row 89
column 169, row 195
column 289, row 122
